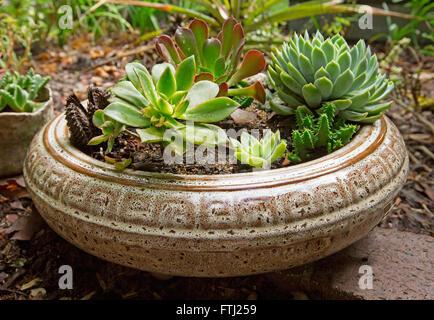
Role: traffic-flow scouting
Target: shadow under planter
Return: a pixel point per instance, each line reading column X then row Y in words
column 216, row 225
column 17, row 130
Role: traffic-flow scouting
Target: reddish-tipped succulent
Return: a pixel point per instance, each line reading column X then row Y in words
column 218, row 59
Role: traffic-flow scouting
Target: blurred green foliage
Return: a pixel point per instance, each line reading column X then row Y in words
column 423, row 11
column 25, row 22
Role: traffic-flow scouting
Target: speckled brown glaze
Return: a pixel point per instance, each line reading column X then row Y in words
column 217, row 225
column 16, row 133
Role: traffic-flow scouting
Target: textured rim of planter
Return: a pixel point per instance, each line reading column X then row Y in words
column 16, row 132
column 216, row 225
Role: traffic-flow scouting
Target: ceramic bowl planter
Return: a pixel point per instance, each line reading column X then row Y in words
column 16, row 132
column 216, row 225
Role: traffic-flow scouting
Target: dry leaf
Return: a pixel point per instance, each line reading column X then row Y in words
column 242, row 116
column 88, row 296
column 31, row 284
column 97, row 53
column 12, row 190
column 38, row 292
column 102, row 73
column 25, row 227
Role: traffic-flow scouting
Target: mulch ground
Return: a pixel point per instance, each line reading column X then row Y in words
column 31, row 253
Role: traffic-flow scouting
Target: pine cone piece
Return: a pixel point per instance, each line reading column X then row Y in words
column 96, row 100
column 79, row 119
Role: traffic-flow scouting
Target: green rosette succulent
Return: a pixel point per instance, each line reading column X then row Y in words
column 259, row 153
column 218, row 59
column 166, row 99
column 20, row 92
column 313, row 71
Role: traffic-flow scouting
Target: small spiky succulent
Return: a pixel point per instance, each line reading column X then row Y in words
column 22, row 93
column 154, row 104
column 218, row 59
column 259, row 153
column 313, row 71
column 319, row 132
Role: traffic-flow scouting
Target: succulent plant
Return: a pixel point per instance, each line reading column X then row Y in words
column 20, row 93
column 259, row 153
column 110, row 128
column 313, row 71
column 217, row 59
column 163, row 101
column 319, row 132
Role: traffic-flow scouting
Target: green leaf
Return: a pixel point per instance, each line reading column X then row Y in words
column 281, row 109
column 371, row 119
column 255, row 91
column 97, row 140
column 300, row 113
column 211, row 52
column 131, row 69
column 323, row 131
column 203, row 134
column 328, row 49
column 311, row 95
column 219, row 67
column 166, row 84
column 125, row 90
column 164, row 107
column 344, row 61
column 151, row 134
column 333, row 70
column 308, row 139
column 186, row 42
column 253, row 63
column 185, row 74
column 354, row 116
column 357, row 83
column 212, row 110
column 342, row 84
column 342, row 104
column 122, row 164
column 291, row 99
column 20, row 97
column 278, row 151
column 167, row 50
column 200, row 31
column 325, row 86
column 374, row 108
column 291, row 83
column 359, row 99
column 306, row 67
column 158, row 69
column 227, row 36
column 296, row 74
column 321, row 72
column 177, row 97
column 142, row 81
column 126, row 114
column 299, row 146
column 180, row 109
column 201, row 92
column 274, row 78
column 319, row 59
column 99, row 118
